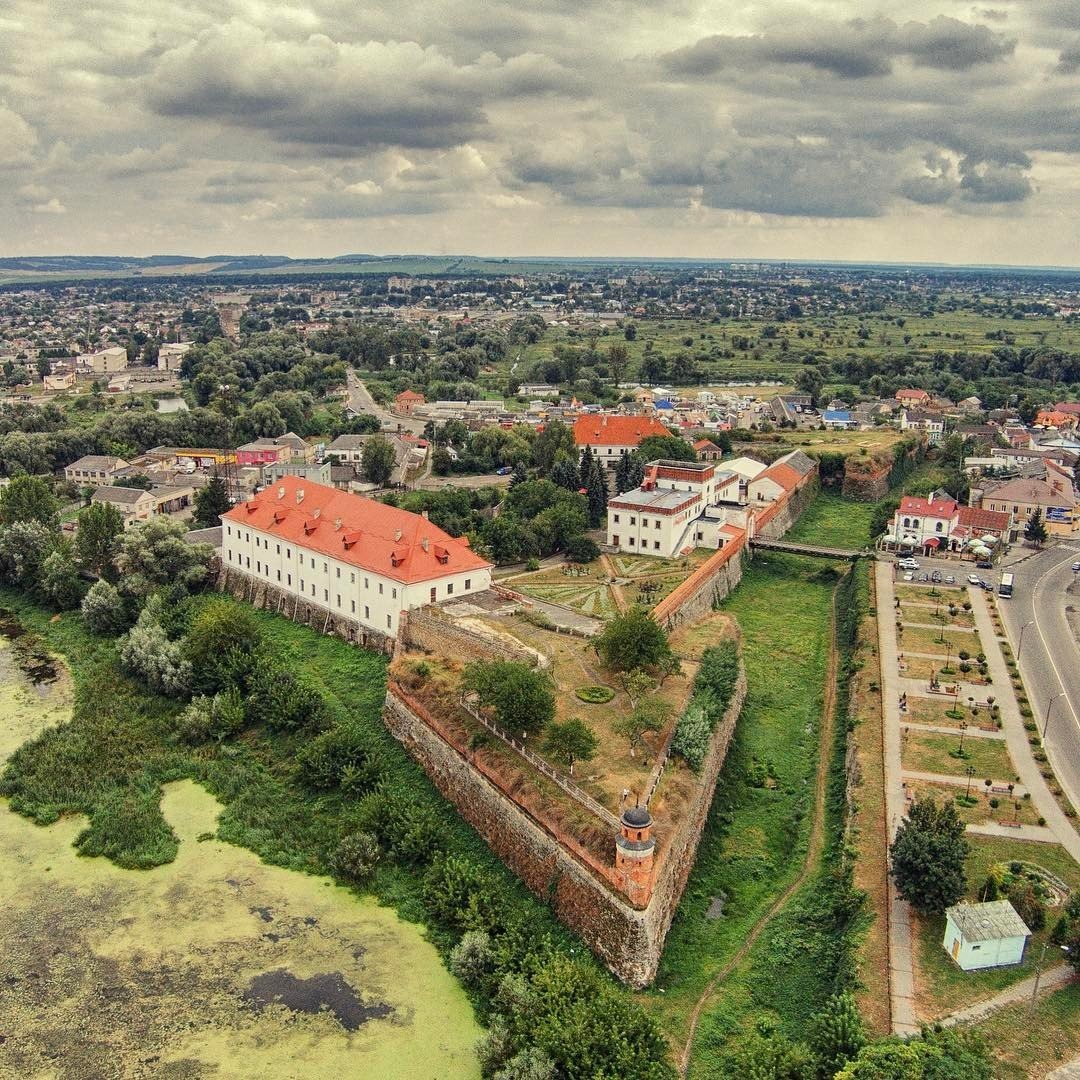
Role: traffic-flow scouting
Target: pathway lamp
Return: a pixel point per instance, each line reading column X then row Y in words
column 969, row 772
column 1046, row 722
column 963, row 729
column 1020, row 643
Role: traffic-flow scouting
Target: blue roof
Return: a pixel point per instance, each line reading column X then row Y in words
column 663, row 404
column 837, row 414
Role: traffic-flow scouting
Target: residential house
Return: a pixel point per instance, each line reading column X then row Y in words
column 96, row 469
column 1053, row 418
column 318, row 472
column 932, row 425
column 838, row 419
column 1055, row 497
column 913, row 398
column 922, row 523
column 287, row 447
column 60, row 382
column 134, row 504
column 970, row 405
column 406, row 401
column 364, row 562
column 985, row 935
column 707, row 450
column 612, row 437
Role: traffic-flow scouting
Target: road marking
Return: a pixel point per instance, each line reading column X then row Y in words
column 1042, row 638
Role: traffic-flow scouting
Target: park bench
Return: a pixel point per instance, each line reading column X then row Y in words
column 999, row 789
column 1011, row 824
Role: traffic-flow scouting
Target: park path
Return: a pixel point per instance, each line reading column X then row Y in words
column 814, row 847
column 1016, row 738
column 1051, row 979
column 901, row 964
column 616, row 590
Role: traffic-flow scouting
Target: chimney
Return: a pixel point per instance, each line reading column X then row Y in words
column 337, row 524
column 397, row 535
column 317, row 512
column 424, row 514
column 424, row 543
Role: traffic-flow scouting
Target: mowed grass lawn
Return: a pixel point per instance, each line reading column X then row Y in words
column 941, row 987
column 756, row 834
column 926, row 639
column 923, row 752
column 832, row 521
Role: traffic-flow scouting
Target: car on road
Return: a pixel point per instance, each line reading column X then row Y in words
column 987, row 585
column 985, row 564
column 924, row 577
column 974, row 579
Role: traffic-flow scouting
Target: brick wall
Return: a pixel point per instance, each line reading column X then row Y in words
column 710, row 582
column 628, row 940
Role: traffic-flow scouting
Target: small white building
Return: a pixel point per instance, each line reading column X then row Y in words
column 985, row 935
column 171, row 355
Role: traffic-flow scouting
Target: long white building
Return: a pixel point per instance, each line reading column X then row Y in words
column 358, row 558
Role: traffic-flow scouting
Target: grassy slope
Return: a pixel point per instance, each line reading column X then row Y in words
column 756, row 834
column 832, row 521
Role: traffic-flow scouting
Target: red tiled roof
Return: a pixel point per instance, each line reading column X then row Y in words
column 915, row 393
column 616, row 430
column 363, row 532
column 705, row 444
column 784, row 475
column 939, row 508
column 409, row 395
column 976, row 518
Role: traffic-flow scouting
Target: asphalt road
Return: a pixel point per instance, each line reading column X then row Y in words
column 1048, row 655
column 362, row 402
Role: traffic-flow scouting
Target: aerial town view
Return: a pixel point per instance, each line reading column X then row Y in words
column 620, row 621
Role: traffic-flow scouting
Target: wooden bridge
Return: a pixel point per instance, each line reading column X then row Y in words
column 809, row 549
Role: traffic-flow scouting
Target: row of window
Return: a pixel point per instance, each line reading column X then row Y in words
column 633, row 521
column 913, row 523
column 630, row 543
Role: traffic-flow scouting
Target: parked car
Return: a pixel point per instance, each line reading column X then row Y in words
column 504, row 471
column 949, row 579
column 908, row 564
column 974, row 579
column 935, row 577
column 909, row 576
column 988, row 586
column 924, row 577
column 985, row 564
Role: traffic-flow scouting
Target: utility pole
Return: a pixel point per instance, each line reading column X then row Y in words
column 1046, row 722
column 1020, row 643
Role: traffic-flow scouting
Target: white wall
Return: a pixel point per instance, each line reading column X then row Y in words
column 371, row 599
column 972, row 956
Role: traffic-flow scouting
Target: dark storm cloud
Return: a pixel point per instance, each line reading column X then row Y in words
column 857, row 49
column 1069, row 61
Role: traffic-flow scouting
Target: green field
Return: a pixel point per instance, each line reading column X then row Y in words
column 833, row 521
column 930, row 752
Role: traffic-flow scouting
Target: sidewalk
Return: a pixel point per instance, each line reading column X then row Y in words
column 901, row 967
column 1051, row 979
column 1016, row 738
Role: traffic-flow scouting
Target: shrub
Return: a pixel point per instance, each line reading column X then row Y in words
column 146, row 652
column 104, row 610
column 594, row 695
column 995, row 803
column 472, row 959
column 408, row 829
column 222, row 646
column 356, row 857
column 215, row 717
column 532, row 564
column 581, row 549
column 281, row 699
column 340, row 758
column 964, row 654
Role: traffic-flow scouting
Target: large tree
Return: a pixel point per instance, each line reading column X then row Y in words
column 96, row 541
column 378, row 460
column 29, row 498
column 633, row 640
column 928, row 856
column 570, row 741
column 520, row 695
column 211, row 502
column 1035, row 530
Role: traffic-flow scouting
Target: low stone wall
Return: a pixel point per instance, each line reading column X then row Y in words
column 441, row 635
column 630, row 941
column 267, row 597
column 698, row 594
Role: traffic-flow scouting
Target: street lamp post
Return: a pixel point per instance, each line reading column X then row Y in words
column 1020, row 643
column 970, row 771
column 1046, row 722
column 960, row 748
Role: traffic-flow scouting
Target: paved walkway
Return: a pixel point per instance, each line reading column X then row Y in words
column 1051, row 979
column 901, row 967
column 1016, row 738
column 945, row 729
column 1066, row 1072
column 616, row 590
column 963, row 781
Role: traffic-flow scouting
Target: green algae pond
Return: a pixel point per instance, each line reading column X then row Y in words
column 214, row 965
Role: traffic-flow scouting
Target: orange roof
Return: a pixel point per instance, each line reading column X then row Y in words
column 938, row 508
column 912, row 393
column 975, row 517
column 616, row 430
column 409, row 395
column 784, row 475
column 365, row 533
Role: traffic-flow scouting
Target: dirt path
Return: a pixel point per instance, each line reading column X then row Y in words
column 814, row 847
column 616, row 590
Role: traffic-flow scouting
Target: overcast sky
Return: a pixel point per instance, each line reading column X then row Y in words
column 832, row 129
